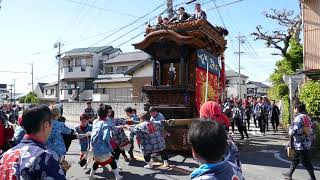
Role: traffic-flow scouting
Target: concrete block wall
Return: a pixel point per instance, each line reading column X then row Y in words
column 72, row 110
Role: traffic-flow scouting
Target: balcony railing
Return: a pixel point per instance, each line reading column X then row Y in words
column 83, row 71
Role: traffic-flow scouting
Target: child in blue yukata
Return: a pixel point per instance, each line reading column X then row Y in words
column 55, row 141
column 83, row 131
column 119, row 138
column 208, row 140
column 158, row 119
column 132, row 119
column 151, row 140
column 101, row 143
column 131, row 116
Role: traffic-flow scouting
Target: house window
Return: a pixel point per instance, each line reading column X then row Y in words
column 69, row 91
column 88, row 85
column 70, row 68
column 52, row 91
column 109, row 70
column 100, row 66
column 118, row 94
column 243, row 82
column 122, row 69
column 83, row 64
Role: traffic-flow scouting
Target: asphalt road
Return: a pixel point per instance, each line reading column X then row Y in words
column 262, row 157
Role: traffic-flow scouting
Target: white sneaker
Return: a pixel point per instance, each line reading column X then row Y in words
column 148, row 166
column 120, row 169
column 116, row 174
column 92, row 172
column 165, row 163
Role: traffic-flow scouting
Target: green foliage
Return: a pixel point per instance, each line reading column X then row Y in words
column 31, row 98
column 295, row 55
column 317, row 143
column 286, row 111
column 310, row 95
column 286, row 66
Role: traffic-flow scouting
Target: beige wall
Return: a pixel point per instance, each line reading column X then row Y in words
column 311, row 24
column 146, row 71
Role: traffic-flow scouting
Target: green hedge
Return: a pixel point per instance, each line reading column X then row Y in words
column 310, row 95
column 285, row 112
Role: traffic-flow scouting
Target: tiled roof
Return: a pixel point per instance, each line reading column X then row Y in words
column 91, row 49
column 129, row 56
column 232, row 73
column 51, row 84
column 260, row 84
column 136, row 67
column 41, row 85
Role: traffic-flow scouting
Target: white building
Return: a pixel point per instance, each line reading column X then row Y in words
column 257, row 89
column 124, row 77
column 50, row 91
column 79, row 68
column 233, row 84
column 39, row 89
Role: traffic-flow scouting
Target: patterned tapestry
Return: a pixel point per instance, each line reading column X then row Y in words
column 213, row 93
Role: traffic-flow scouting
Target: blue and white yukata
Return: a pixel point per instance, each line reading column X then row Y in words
column 55, row 141
column 30, row 159
column 84, row 140
column 118, row 135
column 158, row 121
column 219, row 171
column 19, row 132
column 151, row 140
column 100, row 141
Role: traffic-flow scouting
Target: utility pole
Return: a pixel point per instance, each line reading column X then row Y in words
column 14, row 91
column 170, row 8
column 32, row 77
column 241, row 40
column 58, row 45
column 10, row 93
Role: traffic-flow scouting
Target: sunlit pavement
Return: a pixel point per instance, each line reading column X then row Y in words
column 263, row 157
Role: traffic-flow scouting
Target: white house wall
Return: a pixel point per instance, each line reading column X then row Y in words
column 146, row 71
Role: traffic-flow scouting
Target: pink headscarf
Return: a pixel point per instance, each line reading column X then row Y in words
column 213, row 111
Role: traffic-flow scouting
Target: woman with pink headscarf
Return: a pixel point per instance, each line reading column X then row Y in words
column 213, row 111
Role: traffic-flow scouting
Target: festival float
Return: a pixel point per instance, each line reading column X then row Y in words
column 188, row 70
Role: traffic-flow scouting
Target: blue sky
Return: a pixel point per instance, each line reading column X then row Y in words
column 28, row 30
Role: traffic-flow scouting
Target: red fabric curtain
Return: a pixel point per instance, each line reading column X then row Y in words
column 213, row 92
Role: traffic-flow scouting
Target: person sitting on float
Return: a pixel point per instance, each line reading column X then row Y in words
column 182, row 16
column 199, row 13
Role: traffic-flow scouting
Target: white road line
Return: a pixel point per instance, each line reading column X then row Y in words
column 276, row 155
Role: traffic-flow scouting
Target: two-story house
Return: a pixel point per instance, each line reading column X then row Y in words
column 311, row 38
column 124, row 77
column 257, row 89
column 79, row 68
column 39, row 89
column 50, row 91
column 47, row 92
column 233, row 84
